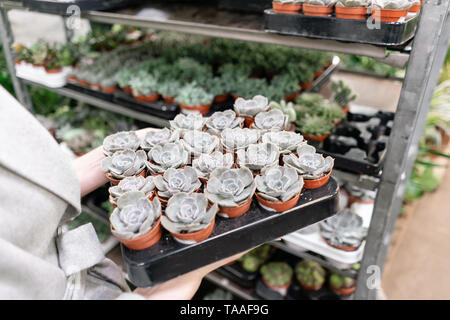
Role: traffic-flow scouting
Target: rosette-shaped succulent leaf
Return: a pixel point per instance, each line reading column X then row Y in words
column 187, row 122
column 207, row 163
column 310, row 273
column 391, row 4
column 344, row 229
column 286, row 107
column 230, row 187
column 251, row 107
column 308, row 163
column 354, row 3
column 258, row 156
column 139, row 183
column 126, row 163
column 198, row 142
column 278, row 183
column 273, row 120
column 238, row 138
column 161, row 136
column 219, row 121
column 177, row 180
column 327, row 3
column 169, row 155
column 135, row 215
column 187, row 213
column 286, row 141
column 120, row 141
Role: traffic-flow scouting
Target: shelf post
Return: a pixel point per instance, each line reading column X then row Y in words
column 427, row 56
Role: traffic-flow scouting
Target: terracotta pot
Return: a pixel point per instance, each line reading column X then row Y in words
column 306, row 85
column 145, row 241
column 109, row 89
column 194, row 237
column 72, row 79
column 317, row 138
column 343, row 291
column 286, row 7
column 169, row 99
column 292, row 96
column 149, row 98
column 352, row 199
column 345, row 248
column 415, row 8
column 317, row 11
column 280, row 289
column 346, row 109
column 310, row 288
column 202, row 109
column 317, row 183
column 127, row 89
column 84, row 83
column 52, row 71
column 354, row 13
column 248, row 121
column 115, row 182
column 221, row 98
column 235, row 212
column 94, row 86
column 385, row 15
column 235, row 96
column 278, row 206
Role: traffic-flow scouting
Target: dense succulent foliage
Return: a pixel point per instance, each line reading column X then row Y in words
column 177, row 180
column 327, row 3
column 286, row 141
column 273, row 120
column 207, row 163
column 193, row 95
column 251, row 107
column 310, row 273
column 257, row 156
column 135, row 215
column 187, row 213
column 314, row 125
column 198, row 142
column 286, row 107
column 391, row 4
column 219, row 121
column 238, row 138
column 277, row 273
column 161, row 136
column 187, row 122
column 126, row 163
column 354, row 3
column 308, row 163
column 145, row 185
column 120, row 141
column 169, row 155
column 230, row 187
column 278, row 183
column 342, row 93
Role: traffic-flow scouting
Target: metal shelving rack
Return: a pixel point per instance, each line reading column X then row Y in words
column 424, row 57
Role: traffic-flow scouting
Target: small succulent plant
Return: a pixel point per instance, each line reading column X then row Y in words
column 354, row 3
column 238, row 138
column 340, row 281
column 108, row 82
column 198, row 142
column 288, row 1
column 177, row 180
column 126, row 163
column 143, row 84
column 314, row 125
column 145, row 185
column 161, row 136
column 252, row 260
column 391, row 4
column 169, row 155
column 331, row 111
column 258, row 156
column 250, row 108
column 308, row 163
column 193, row 95
column 286, row 141
column 327, row 3
column 219, row 121
column 120, row 141
column 273, row 120
column 230, row 187
column 187, row 213
column 310, row 274
column 169, row 89
column 135, row 215
column 278, row 184
column 191, row 121
column 286, row 107
column 207, row 163
column 344, row 229
column 277, row 273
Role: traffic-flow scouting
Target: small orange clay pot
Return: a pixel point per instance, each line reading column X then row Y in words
column 415, row 8
column 149, row 98
column 306, row 85
column 355, row 13
column 235, row 211
column 352, row 199
column 316, row 183
column 343, row 291
column 109, row 89
column 292, row 96
column 84, row 83
column 345, row 248
column 248, row 121
column 202, row 109
column 346, row 109
column 280, row 289
column 115, row 182
column 127, row 89
column 385, row 15
column 95, row 86
column 145, row 241
column 278, row 206
column 235, row 96
column 317, row 11
column 72, row 79
column 286, row 7
column 57, row 70
column 194, row 237
column 310, row 288
column 221, row 98
column 317, row 138
column 169, row 99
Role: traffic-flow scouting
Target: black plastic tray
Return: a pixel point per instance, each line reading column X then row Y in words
column 239, row 275
column 168, row 258
column 255, row 6
column 332, row 28
column 60, row 8
column 95, row 93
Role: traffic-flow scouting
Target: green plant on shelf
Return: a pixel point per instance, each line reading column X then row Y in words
column 218, row 86
column 286, row 107
column 340, row 281
column 277, row 273
column 342, row 93
column 193, row 95
column 252, row 260
column 330, row 111
column 285, row 84
column 169, row 88
column 310, row 273
column 143, row 84
column 300, row 71
column 38, row 52
column 314, row 125
column 247, row 88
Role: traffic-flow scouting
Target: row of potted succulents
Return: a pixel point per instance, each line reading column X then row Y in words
column 203, row 166
column 382, row 10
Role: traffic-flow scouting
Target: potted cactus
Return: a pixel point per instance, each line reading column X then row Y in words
column 144, row 87
column 188, row 218
column 310, row 275
column 352, row 9
column 314, row 127
column 145, row 185
column 312, row 166
column 159, row 136
column 277, row 276
column 238, row 138
column 252, row 260
column 341, row 285
column 136, row 222
column 390, row 10
column 318, row 8
column 221, row 120
column 288, row 109
column 232, row 190
column 287, row 6
column 163, row 157
column 185, row 123
column 272, row 120
column 192, row 97
column 248, row 109
column 168, row 90
column 207, row 163
column 120, row 141
column 278, row 188
column 122, row 164
column 258, row 156
column 342, row 95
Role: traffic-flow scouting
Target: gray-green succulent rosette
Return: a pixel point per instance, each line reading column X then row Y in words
column 309, row 164
column 145, row 185
column 230, row 187
column 169, row 155
column 188, row 213
column 327, row 3
column 258, row 156
column 286, row 141
column 161, row 136
column 207, row 163
column 174, row 181
column 278, row 183
column 187, row 122
column 391, row 4
column 198, row 142
column 135, row 215
column 126, row 163
column 120, row 141
column 354, row 3
column 250, row 108
column 273, row 120
column 238, row 138
column 221, row 120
